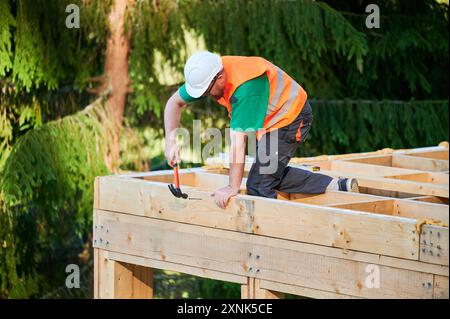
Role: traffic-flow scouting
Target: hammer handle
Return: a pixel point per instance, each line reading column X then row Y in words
column 176, row 176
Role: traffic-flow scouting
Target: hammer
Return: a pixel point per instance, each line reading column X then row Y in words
column 176, row 191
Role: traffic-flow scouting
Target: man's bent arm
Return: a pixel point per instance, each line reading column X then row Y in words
column 237, row 159
column 172, row 113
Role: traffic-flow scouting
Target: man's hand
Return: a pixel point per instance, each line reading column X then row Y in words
column 172, row 153
column 222, row 196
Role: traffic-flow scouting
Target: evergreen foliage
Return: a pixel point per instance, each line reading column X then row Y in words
column 407, row 56
column 46, row 191
column 37, row 49
column 157, row 33
column 51, row 147
column 360, row 126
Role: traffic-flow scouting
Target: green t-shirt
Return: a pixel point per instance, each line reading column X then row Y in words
column 248, row 103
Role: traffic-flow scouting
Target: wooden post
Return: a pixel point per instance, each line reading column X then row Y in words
column 247, row 290
column 117, row 280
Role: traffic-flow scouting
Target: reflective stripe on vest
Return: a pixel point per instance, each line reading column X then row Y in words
column 280, row 85
column 283, row 110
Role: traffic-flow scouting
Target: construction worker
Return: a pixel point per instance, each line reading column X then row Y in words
column 260, row 97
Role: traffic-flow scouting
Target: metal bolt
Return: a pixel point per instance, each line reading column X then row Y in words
column 257, row 271
column 107, row 242
column 439, row 234
column 258, row 256
column 101, row 240
column 101, row 226
column 439, row 255
column 431, row 252
column 429, row 285
column 107, row 230
column 95, row 241
column 423, row 250
column 424, row 241
column 438, row 247
column 250, row 269
column 249, row 254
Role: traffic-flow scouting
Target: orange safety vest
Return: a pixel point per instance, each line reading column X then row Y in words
column 286, row 98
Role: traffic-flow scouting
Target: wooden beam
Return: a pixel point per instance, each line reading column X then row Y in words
column 420, row 163
column 132, row 281
column 105, row 274
column 382, row 160
column 97, row 192
column 165, row 265
column 330, row 198
column 302, row 291
column 97, row 265
column 424, row 211
column 404, row 186
column 386, row 193
column 430, row 199
column 254, row 256
column 377, row 179
column 434, row 244
column 439, row 155
column 385, row 207
column 248, row 289
column 433, row 178
column 403, row 208
column 362, row 169
column 387, row 235
column 441, row 289
column 403, row 161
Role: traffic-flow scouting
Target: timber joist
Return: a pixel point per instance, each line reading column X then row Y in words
column 388, row 241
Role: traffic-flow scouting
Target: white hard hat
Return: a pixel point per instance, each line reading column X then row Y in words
column 200, row 70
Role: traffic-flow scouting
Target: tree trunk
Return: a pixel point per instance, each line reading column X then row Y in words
column 116, row 73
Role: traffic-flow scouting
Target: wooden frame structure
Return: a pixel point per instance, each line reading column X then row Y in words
column 389, row 241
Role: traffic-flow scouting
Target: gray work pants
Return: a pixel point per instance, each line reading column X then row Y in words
column 284, row 178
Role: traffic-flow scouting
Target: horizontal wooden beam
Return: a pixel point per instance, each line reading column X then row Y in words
column 420, row 163
column 342, row 228
column 303, row 291
column 165, row 265
column 411, row 209
column 403, row 161
column 254, row 256
column 334, row 198
column 404, row 208
column 439, row 154
column 431, row 199
column 396, row 184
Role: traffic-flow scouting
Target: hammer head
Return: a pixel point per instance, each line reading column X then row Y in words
column 177, row 192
